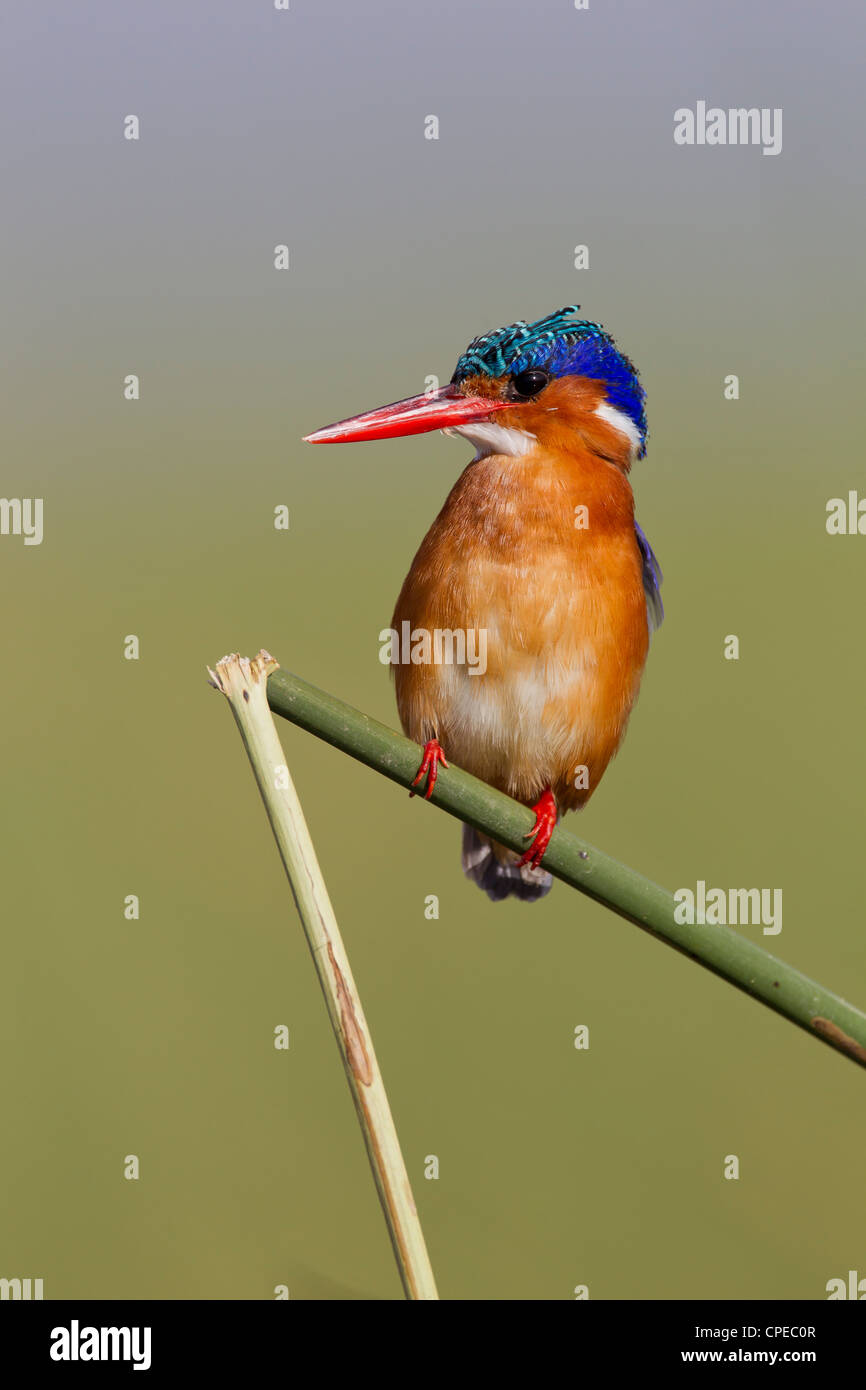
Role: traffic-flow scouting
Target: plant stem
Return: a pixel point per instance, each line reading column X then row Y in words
column 243, row 682
column 720, row 949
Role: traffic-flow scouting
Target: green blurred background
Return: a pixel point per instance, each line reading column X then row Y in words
column 155, row 1037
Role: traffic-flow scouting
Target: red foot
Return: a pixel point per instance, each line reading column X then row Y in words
column 545, row 820
column 433, row 756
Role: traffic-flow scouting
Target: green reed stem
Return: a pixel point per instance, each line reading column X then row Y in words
column 720, row 949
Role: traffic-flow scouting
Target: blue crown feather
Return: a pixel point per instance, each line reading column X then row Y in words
column 563, row 346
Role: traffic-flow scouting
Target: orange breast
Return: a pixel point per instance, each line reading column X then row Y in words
column 558, row 592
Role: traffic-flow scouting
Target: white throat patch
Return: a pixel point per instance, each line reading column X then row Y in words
column 495, row 439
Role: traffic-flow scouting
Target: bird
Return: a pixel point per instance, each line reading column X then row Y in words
column 537, row 549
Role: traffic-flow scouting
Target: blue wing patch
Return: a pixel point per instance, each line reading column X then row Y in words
column 652, row 581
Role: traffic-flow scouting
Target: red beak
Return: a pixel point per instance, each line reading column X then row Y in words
column 435, row 410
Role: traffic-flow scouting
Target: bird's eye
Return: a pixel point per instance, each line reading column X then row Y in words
column 530, row 382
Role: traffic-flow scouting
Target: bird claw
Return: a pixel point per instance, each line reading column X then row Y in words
column 433, row 756
column 545, row 822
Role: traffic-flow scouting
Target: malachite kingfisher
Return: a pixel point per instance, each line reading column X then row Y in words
column 536, row 551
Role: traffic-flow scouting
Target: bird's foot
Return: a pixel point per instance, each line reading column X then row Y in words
column 545, row 820
column 429, row 768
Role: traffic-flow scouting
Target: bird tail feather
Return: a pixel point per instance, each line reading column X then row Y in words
column 497, row 871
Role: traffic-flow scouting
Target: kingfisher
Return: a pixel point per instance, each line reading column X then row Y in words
column 537, row 548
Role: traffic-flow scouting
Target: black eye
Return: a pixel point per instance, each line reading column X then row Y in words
column 530, row 382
